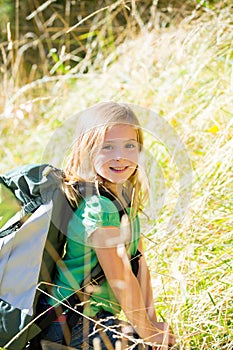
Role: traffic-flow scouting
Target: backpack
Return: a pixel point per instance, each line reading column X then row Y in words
column 32, row 239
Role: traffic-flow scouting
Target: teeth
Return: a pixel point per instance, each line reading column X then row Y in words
column 119, row 169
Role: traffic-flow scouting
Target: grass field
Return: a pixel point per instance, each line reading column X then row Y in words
column 183, row 73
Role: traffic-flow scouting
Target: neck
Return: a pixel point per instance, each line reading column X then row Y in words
column 116, row 189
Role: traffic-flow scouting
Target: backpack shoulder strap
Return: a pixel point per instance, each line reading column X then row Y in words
column 89, row 188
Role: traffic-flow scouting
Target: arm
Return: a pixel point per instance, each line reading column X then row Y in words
column 116, row 266
column 144, row 281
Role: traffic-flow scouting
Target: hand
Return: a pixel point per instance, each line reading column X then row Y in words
column 164, row 336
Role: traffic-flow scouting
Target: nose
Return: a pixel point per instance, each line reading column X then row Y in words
column 119, row 154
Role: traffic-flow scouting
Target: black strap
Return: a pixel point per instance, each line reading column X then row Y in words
column 134, row 261
column 87, row 189
column 52, row 313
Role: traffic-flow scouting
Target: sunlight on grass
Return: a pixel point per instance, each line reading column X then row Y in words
column 184, row 74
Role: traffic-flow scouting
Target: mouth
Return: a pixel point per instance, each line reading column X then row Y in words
column 118, row 169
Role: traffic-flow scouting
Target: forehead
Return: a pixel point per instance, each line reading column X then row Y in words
column 121, row 131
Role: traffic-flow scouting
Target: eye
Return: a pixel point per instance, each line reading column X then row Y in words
column 130, row 145
column 107, row 147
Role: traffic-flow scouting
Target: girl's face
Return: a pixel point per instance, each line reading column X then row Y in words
column 117, row 158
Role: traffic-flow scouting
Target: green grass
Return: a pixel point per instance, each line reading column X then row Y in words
column 183, row 73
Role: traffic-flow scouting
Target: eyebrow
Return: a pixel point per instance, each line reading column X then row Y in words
column 126, row 140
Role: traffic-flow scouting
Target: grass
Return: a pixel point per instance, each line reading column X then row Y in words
column 184, row 74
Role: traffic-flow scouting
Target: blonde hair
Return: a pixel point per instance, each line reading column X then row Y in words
column 91, row 128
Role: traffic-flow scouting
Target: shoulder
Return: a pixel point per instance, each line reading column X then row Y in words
column 93, row 212
column 100, row 208
column 100, row 203
column 96, row 198
column 98, row 211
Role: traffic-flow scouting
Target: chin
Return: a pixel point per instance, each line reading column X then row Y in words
column 119, row 182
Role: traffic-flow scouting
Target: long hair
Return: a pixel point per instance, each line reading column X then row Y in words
column 91, row 128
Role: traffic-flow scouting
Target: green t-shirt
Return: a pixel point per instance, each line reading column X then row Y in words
column 80, row 258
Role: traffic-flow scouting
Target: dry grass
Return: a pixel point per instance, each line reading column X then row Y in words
column 184, row 74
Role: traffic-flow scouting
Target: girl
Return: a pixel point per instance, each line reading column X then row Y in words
column 103, row 180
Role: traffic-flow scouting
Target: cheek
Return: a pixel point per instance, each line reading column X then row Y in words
column 134, row 157
column 99, row 161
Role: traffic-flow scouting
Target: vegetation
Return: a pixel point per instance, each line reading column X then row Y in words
column 180, row 67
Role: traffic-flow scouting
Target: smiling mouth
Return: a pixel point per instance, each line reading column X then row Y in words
column 119, row 169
